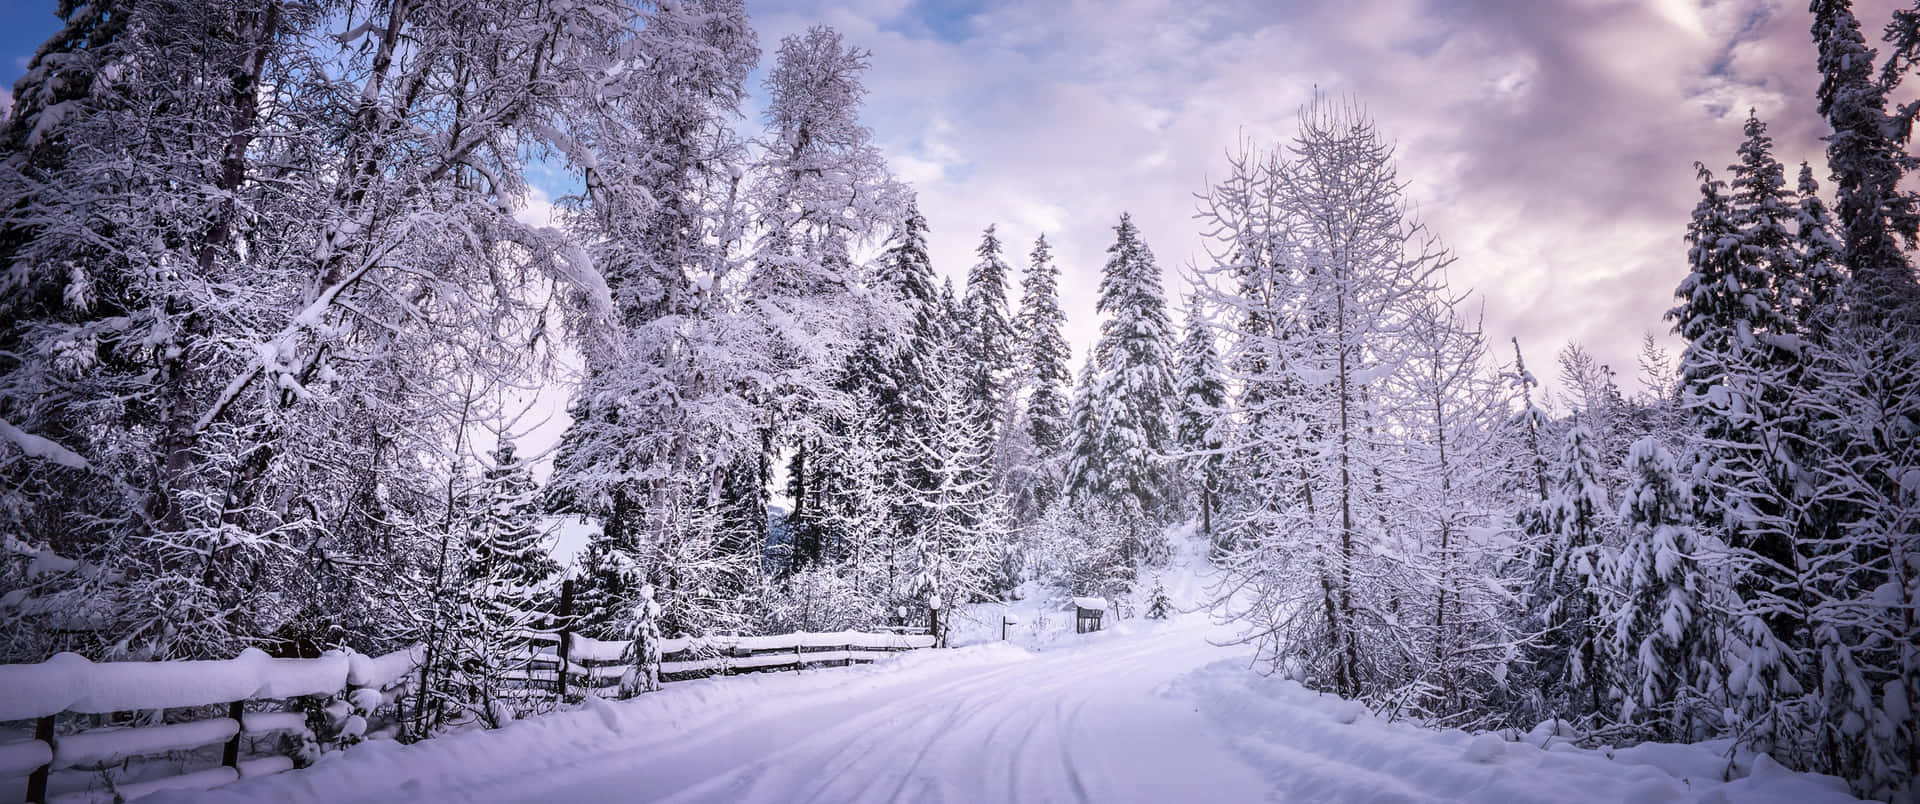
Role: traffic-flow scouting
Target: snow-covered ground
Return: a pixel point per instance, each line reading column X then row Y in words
column 1142, row 712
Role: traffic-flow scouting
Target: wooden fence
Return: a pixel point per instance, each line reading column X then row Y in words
column 600, row 667
column 113, row 712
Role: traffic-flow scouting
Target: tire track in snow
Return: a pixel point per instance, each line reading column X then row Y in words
column 944, row 740
column 945, row 710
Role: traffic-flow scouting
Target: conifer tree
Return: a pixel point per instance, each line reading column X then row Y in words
column 1864, row 153
column 990, row 343
column 1043, row 381
column 1663, row 633
column 504, row 568
column 1201, row 412
column 1569, row 574
column 643, row 645
column 1810, row 293
column 1120, row 446
column 1159, row 607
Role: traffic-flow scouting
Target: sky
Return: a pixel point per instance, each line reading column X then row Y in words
column 1549, row 144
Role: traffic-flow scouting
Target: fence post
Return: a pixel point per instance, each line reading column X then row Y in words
column 37, row 783
column 565, row 650
column 230, row 756
column 1003, row 627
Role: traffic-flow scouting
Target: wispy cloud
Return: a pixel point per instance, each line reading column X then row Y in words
column 1550, row 144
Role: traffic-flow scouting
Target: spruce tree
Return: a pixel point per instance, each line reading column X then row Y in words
column 1120, row 446
column 1809, row 293
column 1569, row 573
column 505, row 567
column 1865, row 155
column 990, row 342
column 1034, row 465
column 1201, row 411
column 1044, row 351
column 1663, row 635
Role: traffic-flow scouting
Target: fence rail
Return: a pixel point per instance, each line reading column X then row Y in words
column 70, row 686
column 341, row 694
column 598, row 666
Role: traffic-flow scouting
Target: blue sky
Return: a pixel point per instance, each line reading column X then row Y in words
column 24, row 24
column 1549, row 143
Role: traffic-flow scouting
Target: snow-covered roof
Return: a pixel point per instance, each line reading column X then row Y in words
column 1095, row 603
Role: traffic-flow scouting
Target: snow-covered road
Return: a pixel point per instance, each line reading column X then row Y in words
column 1150, row 712
column 1074, row 725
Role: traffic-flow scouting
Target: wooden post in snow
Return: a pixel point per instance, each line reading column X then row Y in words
column 37, row 783
column 230, row 755
column 565, row 649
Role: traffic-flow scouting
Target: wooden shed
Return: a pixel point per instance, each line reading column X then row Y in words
column 1087, row 612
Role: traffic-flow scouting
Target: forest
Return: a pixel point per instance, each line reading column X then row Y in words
column 271, row 315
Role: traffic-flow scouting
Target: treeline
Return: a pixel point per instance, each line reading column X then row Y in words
column 1730, row 553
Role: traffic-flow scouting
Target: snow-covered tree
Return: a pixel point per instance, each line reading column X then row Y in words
column 263, row 366
column 1321, row 258
column 1043, row 380
column 1201, row 414
column 1570, row 570
column 1159, row 606
column 1865, row 154
column 505, row 566
column 661, row 409
column 1662, row 611
column 990, row 343
column 1120, row 440
column 643, row 645
column 1451, row 406
column 958, row 520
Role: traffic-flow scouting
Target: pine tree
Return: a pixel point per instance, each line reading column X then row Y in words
column 1042, row 358
column 505, row 567
column 1811, row 291
column 1201, row 411
column 643, row 645
column 1735, row 370
column 901, row 382
column 1663, row 634
column 1864, row 152
column 989, row 338
column 1158, row 606
column 1570, row 571
column 1119, row 447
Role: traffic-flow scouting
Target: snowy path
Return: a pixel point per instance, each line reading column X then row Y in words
column 1074, row 725
column 1147, row 713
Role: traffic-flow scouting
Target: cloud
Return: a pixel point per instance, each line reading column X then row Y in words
column 1550, row 144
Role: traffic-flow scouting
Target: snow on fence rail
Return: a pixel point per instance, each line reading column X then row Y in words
column 599, row 665
column 69, row 684
column 340, row 692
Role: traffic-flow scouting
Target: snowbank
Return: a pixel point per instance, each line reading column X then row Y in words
column 1317, row 747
